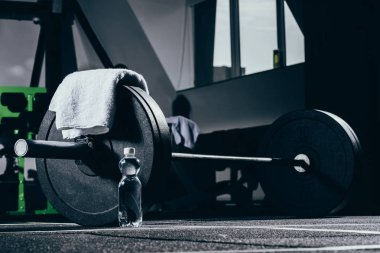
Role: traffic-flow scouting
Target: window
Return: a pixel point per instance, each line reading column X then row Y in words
column 222, row 44
column 258, row 34
column 295, row 45
column 239, row 37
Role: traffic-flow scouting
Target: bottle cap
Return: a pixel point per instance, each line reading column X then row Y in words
column 129, row 151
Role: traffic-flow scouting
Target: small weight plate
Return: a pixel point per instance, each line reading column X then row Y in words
column 87, row 193
column 334, row 153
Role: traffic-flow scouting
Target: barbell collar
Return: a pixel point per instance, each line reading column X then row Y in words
column 53, row 149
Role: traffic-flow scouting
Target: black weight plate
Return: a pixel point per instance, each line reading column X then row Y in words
column 87, row 194
column 357, row 150
column 163, row 148
column 334, row 151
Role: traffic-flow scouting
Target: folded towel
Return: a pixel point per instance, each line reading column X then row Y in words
column 84, row 101
column 184, row 131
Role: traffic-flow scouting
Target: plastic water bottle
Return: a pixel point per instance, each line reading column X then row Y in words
column 130, row 211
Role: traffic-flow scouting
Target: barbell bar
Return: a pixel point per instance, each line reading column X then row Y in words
column 314, row 141
column 84, row 150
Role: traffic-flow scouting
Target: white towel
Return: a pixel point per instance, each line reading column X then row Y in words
column 84, row 101
column 184, row 131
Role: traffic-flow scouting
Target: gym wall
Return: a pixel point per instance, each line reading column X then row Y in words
column 247, row 101
column 154, row 51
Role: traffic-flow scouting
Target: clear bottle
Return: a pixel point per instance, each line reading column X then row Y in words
column 130, row 211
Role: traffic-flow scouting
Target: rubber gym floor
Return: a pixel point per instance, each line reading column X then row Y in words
column 254, row 234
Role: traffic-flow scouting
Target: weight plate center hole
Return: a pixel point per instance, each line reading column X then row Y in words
column 302, row 157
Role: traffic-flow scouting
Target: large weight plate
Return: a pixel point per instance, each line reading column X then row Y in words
column 334, row 151
column 88, row 194
column 163, row 145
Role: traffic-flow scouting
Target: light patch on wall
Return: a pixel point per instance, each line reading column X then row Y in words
column 17, row 70
column 85, row 54
column 18, row 40
column 29, row 63
column 168, row 26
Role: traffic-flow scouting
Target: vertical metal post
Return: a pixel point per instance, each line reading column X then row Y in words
column 38, row 59
column 52, row 24
column 60, row 59
column 204, row 37
column 281, row 36
column 235, row 38
column 21, row 187
column 69, row 59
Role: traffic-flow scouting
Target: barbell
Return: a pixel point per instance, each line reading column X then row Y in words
column 307, row 165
